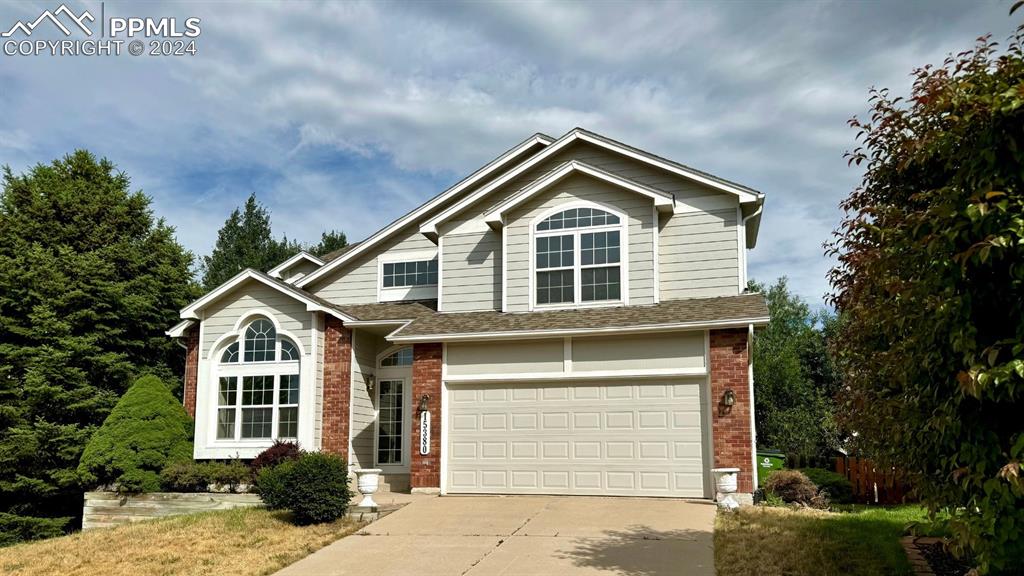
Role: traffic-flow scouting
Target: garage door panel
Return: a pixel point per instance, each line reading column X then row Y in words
column 617, row 438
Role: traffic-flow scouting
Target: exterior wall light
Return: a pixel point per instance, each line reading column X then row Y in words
column 728, row 398
column 371, row 384
column 423, row 406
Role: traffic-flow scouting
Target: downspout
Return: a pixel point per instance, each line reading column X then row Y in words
column 750, row 383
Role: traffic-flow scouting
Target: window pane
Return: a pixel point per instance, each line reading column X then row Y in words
column 225, row 423
column 231, row 354
column 599, row 284
column 554, row 251
column 577, row 218
column 228, row 391
column 260, row 338
column 401, row 358
column 554, row 287
column 389, row 421
column 415, row 273
column 257, row 422
column 288, row 423
column 288, row 350
column 257, row 390
column 289, row 392
column 599, row 248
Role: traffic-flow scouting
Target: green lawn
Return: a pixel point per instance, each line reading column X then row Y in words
column 860, row 541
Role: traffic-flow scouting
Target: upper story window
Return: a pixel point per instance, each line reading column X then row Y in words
column 258, row 386
column 413, row 273
column 578, row 257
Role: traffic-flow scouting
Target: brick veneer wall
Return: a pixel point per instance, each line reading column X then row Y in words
column 191, row 370
column 425, row 471
column 337, row 386
column 732, row 437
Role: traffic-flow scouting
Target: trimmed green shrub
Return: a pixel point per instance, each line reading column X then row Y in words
column 146, row 430
column 190, row 476
column 838, row 487
column 279, row 452
column 316, row 487
column 792, row 486
column 14, row 529
column 270, row 484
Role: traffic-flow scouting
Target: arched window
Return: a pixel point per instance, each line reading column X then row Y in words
column 402, row 357
column 258, row 404
column 577, row 257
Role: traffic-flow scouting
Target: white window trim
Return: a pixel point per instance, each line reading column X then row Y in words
column 399, row 293
column 622, row 227
column 207, row 395
column 403, row 373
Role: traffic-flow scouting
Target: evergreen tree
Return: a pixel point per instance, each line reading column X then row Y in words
column 245, row 241
column 89, row 281
column 329, row 242
column 795, row 380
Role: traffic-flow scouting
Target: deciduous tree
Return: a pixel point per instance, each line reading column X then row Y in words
column 930, row 284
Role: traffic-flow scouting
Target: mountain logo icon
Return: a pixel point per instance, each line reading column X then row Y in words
column 29, row 27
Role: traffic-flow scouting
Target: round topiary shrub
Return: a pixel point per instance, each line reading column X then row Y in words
column 270, row 484
column 146, row 430
column 837, row 486
column 315, row 487
column 792, row 486
column 279, row 452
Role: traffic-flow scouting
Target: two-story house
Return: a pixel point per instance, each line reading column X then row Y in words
column 568, row 319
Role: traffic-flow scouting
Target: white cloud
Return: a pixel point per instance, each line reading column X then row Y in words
column 345, row 115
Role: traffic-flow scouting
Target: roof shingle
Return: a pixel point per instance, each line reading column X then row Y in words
column 740, row 309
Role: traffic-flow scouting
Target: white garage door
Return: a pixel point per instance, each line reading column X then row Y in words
column 636, row 438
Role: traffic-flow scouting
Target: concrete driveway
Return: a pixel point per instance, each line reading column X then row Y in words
column 528, row 535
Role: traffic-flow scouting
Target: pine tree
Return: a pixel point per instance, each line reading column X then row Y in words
column 89, row 281
column 329, row 242
column 245, row 241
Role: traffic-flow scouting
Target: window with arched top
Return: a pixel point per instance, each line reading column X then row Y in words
column 402, row 357
column 258, row 386
column 577, row 257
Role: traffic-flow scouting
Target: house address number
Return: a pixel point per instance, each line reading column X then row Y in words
column 424, row 432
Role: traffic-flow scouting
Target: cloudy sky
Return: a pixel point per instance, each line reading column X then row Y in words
column 346, row 115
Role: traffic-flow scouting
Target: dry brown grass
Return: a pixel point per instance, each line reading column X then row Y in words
column 238, row 542
column 762, row 541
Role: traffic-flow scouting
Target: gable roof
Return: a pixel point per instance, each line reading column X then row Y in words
column 276, row 271
column 745, row 193
column 313, row 303
column 688, row 314
column 412, row 216
column 663, row 201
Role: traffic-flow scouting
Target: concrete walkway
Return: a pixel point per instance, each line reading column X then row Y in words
column 526, row 535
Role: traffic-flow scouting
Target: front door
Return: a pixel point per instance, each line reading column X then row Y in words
column 393, row 424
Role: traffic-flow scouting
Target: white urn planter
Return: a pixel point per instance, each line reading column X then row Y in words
column 726, row 483
column 368, row 481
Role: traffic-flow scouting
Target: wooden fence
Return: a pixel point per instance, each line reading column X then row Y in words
column 874, row 485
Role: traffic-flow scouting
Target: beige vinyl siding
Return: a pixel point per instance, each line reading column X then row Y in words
column 300, row 268
column 699, row 255
column 365, row 348
column 471, row 272
column 318, row 409
column 519, row 357
column 685, row 191
column 356, row 282
column 639, row 352
column 641, row 224
column 221, row 316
